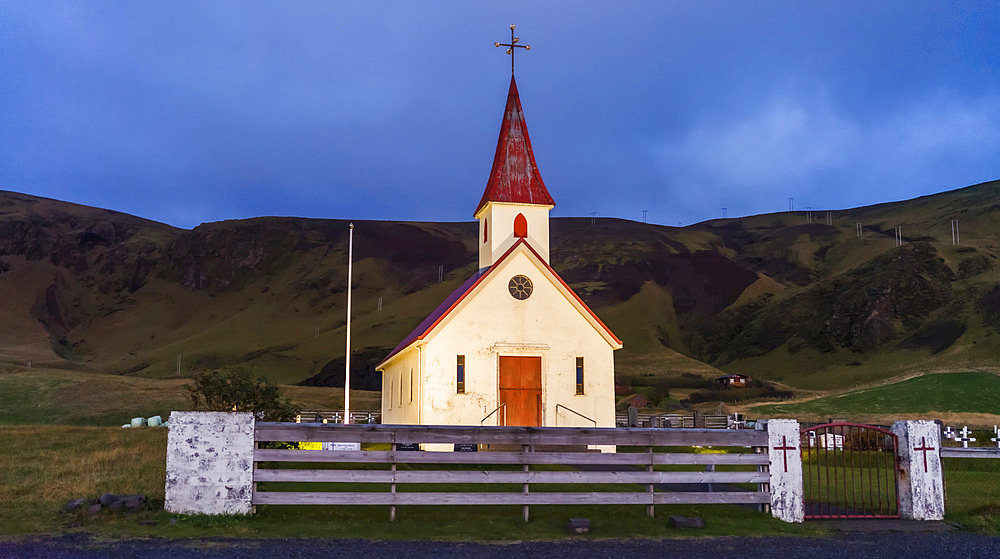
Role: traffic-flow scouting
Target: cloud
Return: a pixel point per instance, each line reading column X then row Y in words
column 825, row 156
column 783, row 141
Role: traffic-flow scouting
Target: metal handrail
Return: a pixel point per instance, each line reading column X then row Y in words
column 574, row 411
column 501, row 406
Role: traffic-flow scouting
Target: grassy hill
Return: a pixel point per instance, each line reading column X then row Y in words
column 807, row 304
column 942, row 393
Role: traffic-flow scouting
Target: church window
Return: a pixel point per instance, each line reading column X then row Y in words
column 460, row 375
column 520, row 287
column 486, row 230
column 579, row 375
column 520, row 226
column 411, row 386
column 400, row 389
column 390, row 392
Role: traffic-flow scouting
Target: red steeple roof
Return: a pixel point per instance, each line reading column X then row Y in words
column 515, row 177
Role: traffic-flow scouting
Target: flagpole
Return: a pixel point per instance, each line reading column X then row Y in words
column 347, row 355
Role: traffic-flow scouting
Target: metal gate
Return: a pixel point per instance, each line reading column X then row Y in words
column 849, row 471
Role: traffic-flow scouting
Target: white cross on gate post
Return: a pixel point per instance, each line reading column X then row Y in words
column 949, row 433
column 965, row 439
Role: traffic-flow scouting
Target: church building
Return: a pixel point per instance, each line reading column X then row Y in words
column 514, row 345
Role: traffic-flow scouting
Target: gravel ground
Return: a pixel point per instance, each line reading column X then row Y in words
column 924, row 546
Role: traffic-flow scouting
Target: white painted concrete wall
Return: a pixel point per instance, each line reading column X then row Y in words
column 920, row 481
column 498, row 217
column 787, row 491
column 210, row 463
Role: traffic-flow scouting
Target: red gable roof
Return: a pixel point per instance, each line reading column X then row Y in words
column 427, row 325
column 514, row 177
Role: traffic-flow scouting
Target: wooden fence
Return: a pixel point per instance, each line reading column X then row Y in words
column 648, row 460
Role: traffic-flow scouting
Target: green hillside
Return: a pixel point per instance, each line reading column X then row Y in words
column 965, row 392
column 809, row 304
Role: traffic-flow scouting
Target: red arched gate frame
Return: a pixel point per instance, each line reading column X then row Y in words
column 849, row 471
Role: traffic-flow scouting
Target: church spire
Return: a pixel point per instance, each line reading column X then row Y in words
column 514, row 177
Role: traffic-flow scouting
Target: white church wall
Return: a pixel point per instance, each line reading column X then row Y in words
column 399, row 405
column 499, row 217
column 492, row 323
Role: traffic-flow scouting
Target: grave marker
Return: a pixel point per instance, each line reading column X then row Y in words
column 965, row 439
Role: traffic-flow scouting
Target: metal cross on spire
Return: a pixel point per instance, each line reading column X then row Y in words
column 511, row 46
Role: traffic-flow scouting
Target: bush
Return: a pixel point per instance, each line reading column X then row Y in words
column 238, row 390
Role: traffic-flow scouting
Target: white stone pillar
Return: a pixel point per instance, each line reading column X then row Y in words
column 210, row 463
column 919, row 481
column 787, row 494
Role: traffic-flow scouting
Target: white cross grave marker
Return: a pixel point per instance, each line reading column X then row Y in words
column 965, row 439
column 996, row 436
column 949, row 433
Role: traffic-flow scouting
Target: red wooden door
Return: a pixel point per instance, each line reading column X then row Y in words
column 521, row 390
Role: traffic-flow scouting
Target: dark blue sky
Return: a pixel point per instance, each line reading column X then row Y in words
column 187, row 112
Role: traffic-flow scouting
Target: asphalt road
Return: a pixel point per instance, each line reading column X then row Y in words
column 950, row 545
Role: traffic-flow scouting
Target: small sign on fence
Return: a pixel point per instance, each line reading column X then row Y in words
column 341, row 446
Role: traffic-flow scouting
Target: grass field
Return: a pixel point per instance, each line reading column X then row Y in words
column 972, row 494
column 47, row 396
column 44, row 466
column 944, row 393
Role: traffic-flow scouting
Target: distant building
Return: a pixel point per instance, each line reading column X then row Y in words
column 735, row 379
column 514, row 345
column 622, row 389
column 638, row 401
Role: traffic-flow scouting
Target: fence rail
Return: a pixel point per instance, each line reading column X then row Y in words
column 409, row 434
column 317, row 416
column 396, row 477
column 972, row 452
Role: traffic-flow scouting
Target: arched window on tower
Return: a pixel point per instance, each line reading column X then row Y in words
column 520, row 226
column 486, row 230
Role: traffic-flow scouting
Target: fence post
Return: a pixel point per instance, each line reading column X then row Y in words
column 785, row 465
column 919, row 478
column 525, row 449
column 210, row 463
